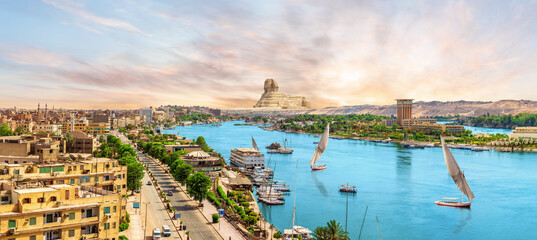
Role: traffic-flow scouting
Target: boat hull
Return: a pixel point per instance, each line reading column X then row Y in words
column 318, row 168
column 453, row 204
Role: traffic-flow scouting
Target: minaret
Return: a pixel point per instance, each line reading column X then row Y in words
column 46, row 119
column 38, row 113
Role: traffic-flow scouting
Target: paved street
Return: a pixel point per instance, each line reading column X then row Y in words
column 198, row 226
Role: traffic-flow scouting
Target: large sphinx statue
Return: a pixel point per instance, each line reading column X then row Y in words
column 271, row 98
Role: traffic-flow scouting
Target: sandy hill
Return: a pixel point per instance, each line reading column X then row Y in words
column 437, row 108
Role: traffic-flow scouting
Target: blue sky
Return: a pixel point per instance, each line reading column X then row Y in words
column 128, row 54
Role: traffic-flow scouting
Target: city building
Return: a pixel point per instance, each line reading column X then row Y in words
column 203, row 162
column 388, row 122
column 183, row 147
column 404, row 110
column 81, row 143
column 60, row 211
column 524, row 132
column 96, row 129
column 430, row 127
column 49, row 128
column 148, row 113
column 246, row 158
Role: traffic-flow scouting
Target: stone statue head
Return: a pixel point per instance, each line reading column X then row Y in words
column 271, row 86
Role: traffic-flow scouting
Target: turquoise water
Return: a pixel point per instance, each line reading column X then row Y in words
column 398, row 185
column 483, row 129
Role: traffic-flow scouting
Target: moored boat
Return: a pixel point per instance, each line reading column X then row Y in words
column 348, row 189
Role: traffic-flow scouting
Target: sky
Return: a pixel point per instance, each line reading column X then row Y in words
column 127, row 54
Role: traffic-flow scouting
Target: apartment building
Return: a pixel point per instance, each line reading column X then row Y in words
column 60, row 211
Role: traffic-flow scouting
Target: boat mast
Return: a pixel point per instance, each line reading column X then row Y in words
column 294, row 202
column 378, row 226
column 347, row 210
column 363, row 221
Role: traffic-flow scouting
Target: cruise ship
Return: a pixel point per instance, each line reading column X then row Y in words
column 247, row 158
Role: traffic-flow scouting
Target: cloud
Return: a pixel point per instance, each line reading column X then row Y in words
column 77, row 9
column 337, row 53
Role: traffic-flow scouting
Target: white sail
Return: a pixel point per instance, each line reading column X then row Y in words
column 254, row 145
column 321, row 146
column 455, row 172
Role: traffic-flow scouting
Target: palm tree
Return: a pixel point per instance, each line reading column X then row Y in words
column 332, row 231
column 336, row 230
column 321, row 233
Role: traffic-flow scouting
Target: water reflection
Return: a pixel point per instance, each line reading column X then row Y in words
column 465, row 217
column 319, row 184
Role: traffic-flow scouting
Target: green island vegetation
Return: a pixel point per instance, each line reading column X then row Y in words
column 111, row 147
column 368, row 126
column 501, row 121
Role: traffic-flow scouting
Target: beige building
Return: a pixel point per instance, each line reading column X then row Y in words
column 524, row 132
column 60, row 211
column 48, row 128
column 183, row 147
column 430, row 127
column 82, row 143
column 203, row 162
column 404, row 110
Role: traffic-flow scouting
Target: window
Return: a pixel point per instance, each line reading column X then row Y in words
column 26, row 200
column 12, row 224
column 57, row 169
column 124, row 186
column 53, row 198
column 71, row 233
column 74, row 168
column 72, row 181
column 16, row 172
column 106, row 178
column 48, row 218
column 72, row 216
column 33, row 237
column 41, row 200
column 96, row 179
column 106, row 226
column 5, row 199
column 118, row 187
column 106, row 210
column 60, row 182
column 44, row 170
column 115, row 208
column 32, row 221
column 114, row 225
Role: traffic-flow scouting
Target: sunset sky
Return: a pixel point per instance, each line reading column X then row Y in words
column 128, row 54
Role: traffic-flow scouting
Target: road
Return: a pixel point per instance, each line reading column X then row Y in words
column 156, row 213
column 198, row 226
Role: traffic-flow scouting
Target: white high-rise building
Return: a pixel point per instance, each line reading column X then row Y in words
column 148, row 113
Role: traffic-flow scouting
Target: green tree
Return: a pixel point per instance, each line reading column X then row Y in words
column 135, row 173
column 332, row 231
column 182, row 172
column 201, row 141
column 5, row 130
column 198, row 184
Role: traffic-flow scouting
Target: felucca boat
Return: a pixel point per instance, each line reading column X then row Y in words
column 458, row 177
column 319, row 150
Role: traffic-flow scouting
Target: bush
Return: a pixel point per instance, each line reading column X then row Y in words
column 277, row 235
column 212, row 198
column 245, row 204
column 128, row 217
column 122, row 237
column 123, row 227
column 215, row 217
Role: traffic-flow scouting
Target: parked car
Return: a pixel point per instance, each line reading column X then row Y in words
column 137, row 191
column 149, row 183
column 170, row 193
column 166, row 231
column 156, row 233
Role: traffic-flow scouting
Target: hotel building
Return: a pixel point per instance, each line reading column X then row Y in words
column 524, row 132
column 246, row 158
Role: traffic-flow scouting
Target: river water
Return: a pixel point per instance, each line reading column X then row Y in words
column 398, row 185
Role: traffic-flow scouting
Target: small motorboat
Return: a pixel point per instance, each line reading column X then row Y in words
column 348, row 189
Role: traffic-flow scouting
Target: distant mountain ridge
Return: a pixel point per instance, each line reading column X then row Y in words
column 438, row 108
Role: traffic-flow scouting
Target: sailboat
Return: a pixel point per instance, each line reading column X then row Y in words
column 296, row 230
column 458, row 177
column 254, row 145
column 319, row 150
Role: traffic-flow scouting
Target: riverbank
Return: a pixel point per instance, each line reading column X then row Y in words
column 423, row 144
